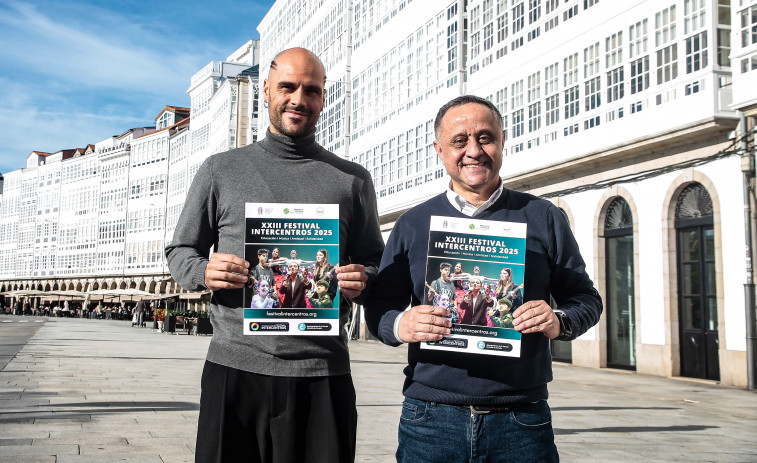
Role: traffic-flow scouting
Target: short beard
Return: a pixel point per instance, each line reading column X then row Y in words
column 278, row 123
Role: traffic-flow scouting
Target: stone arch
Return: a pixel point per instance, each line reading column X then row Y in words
column 122, row 285
column 142, row 285
column 151, row 287
column 670, row 267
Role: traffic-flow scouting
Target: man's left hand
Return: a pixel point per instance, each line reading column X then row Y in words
column 536, row 317
column 352, row 279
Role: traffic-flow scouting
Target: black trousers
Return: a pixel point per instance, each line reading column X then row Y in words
column 246, row 417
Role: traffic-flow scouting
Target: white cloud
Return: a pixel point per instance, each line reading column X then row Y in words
column 100, row 53
column 26, row 125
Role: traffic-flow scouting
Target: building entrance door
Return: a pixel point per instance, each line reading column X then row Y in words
column 697, row 292
column 619, row 275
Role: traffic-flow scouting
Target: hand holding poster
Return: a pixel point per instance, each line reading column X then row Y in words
column 481, row 301
column 292, row 288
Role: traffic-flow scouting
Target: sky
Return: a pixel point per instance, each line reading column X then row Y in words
column 76, row 72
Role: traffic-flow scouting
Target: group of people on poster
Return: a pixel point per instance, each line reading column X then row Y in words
column 281, row 282
column 474, row 299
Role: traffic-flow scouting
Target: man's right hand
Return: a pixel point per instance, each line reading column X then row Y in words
column 226, row 271
column 424, row 323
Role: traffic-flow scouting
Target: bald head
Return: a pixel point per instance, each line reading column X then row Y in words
column 300, row 54
column 294, row 92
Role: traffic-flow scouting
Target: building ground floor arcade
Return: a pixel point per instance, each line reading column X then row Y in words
column 159, row 286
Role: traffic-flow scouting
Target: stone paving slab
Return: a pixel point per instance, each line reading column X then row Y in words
column 101, row 391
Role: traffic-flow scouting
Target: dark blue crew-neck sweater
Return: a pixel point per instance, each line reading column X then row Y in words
column 554, row 267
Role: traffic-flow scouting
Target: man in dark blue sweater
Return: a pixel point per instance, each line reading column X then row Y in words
column 470, row 407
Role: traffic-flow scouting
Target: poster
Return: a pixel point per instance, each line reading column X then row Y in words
column 475, row 269
column 283, row 244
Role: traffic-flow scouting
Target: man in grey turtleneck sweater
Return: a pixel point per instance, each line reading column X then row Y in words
column 275, row 398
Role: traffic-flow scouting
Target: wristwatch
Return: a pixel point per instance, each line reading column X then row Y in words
column 566, row 330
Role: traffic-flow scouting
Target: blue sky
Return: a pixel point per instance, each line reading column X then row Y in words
column 76, row 71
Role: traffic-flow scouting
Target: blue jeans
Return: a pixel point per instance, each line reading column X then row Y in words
column 432, row 432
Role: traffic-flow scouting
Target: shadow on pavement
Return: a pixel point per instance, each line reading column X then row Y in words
column 569, row 409
column 633, row 429
column 85, row 410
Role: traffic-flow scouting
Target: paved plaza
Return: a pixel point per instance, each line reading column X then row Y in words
column 76, row 390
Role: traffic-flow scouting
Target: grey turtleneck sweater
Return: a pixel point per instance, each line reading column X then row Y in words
column 276, row 169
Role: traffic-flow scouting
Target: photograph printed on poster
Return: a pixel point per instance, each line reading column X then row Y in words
column 475, row 292
column 291, row 276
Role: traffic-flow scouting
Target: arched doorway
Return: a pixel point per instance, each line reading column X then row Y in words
column 697, row 293
column 619, row 276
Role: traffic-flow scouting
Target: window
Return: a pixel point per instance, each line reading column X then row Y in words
column 517, row 43
column 693, row 15
column 551, row 23
column 590, row 3
column 637, row 39
column 696, row 52
column 534, row 86
column 570, row 12
column 516, row 92
column 571, row 102
column 614, row 114
column 518, row 123
column 475, row 19
column 534, row 11
column 501, row 100
column 615, row 84
column 667, row 64
column 488, row 10
column 665, row 26
column 550, row 79
column 501, row 27
column 593, row 98
column 693, row 87
column 614, row 48
column 748, row 26
column 534, row 117
column 591, row 123
column 475, row 46
column 551, row 5
column 748, row 64
column 665, row 97
column 570, row 130
column 570, row 66
column 640, row 75
column 591, row 60
column 518, row 18
column 488, row 36
column 552, row 110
